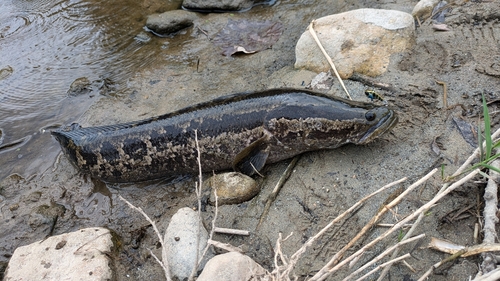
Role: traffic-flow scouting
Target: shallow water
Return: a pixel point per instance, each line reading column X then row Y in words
column 46, row 45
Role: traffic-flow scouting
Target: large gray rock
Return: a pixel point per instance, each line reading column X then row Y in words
column 231, row 266
column 80, row 255
column 232, row 188
column 170, row 22
column 181, row 242
column 359, row 41
column 218, row 5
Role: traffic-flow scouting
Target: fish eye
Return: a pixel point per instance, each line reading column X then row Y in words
column 370, row 116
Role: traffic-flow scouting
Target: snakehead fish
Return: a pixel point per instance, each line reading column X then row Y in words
column 242, row 131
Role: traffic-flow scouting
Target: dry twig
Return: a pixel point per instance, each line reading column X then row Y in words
column 224, row 246
column 452, row 248
column 335, row 259
column 231, row 231
column 445, row 93
column 325, row 272
column 296, row 256
column 460, row 170
column 330, row 267
column 198, row 196
column 164, row 262
column 391, row 225
column 313, row 34
column 383, row 265
column 490, row 276
column 490, row 218
column 371, row 82
column 450, row 258
column 474, row 155
column 284, row 177
column 382, row 255
column 278, row 255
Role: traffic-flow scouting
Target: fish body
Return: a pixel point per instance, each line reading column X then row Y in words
column 243, row 131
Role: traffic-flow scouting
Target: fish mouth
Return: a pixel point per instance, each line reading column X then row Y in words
column 385, row 124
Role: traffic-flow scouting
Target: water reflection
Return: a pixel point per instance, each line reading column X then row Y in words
column 46, row 45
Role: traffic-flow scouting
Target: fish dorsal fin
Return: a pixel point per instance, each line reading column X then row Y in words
column 253, row 157
column 76, row 132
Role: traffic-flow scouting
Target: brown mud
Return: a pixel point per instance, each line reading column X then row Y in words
column 324, row 183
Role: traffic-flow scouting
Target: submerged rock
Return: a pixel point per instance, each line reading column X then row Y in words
column 232, row 188
column 231, row 266
column 6, row 72
column 80, row 86
column 359, row 41
column 79, row 255
column 170, row 22
column 222, row 5
column 181, row 242
column 142, row 37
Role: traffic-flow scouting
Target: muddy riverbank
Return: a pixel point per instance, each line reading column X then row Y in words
column 188, row 69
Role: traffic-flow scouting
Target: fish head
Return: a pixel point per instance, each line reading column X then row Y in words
column 324, row 122
column 378, row 121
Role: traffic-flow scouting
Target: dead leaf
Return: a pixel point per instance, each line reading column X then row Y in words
column 439, row 12
column 247, row 36
column 322, row 81
column 466, row 130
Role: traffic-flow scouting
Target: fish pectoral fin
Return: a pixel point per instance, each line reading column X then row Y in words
column 252, row 158
column 252, row 164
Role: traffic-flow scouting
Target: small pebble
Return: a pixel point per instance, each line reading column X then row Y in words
column 232, row 188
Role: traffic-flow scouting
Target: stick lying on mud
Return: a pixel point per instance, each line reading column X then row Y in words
column 328, row 58
column 277, row 188
column 330, row 267
column 382, row 255
column 452, row 248
column 296, row 256
column 491, row 276
column 383, row 266
column 225, row 246
column 445, row 93
column 231, row 231
column 198, row 190
column 325, row 272
column 446, row 260
column 490, row 218
column 366, row 80
column 164, row 260
column 336, row 258
column 460, row 170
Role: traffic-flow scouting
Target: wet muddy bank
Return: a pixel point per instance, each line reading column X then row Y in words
column 190, row 70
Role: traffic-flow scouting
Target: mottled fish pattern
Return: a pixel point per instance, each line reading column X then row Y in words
column 243, row 132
